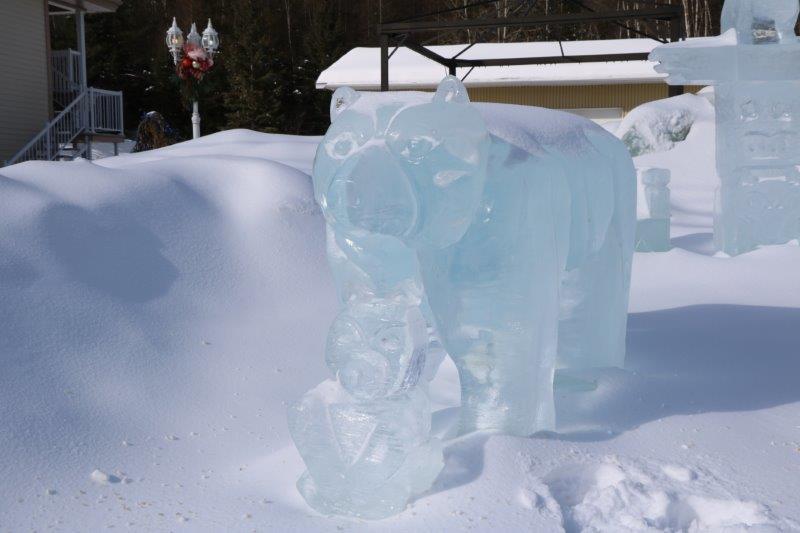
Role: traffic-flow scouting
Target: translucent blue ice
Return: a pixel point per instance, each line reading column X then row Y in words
column 509, row 229
column 755, row 66
column 653, row 232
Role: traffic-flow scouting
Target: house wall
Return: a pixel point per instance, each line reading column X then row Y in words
column 24, row 78
column 598, row 102
column 623, row 96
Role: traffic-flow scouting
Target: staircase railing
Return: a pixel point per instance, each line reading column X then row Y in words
column 105, row 111
column 93, row 111
column 67, row 76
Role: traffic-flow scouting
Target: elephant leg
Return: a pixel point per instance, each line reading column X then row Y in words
column 594, row 310
column 507, row 381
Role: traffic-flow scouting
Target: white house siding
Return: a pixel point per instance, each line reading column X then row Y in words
column 24, row 78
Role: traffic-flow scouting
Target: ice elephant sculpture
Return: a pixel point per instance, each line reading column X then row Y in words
column 755, row 68
column 509, row 229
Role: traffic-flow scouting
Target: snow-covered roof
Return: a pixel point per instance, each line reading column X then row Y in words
column 360, row 67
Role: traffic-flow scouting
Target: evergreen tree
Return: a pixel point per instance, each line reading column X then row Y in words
column 248, row 100
column 325, row 42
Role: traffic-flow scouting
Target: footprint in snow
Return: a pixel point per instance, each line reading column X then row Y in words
column 617, row 494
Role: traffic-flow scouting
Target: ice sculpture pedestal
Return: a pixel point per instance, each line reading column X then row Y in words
column 755, row 68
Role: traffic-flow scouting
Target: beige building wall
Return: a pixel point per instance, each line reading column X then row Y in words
column 623, row 96
column 24, row 73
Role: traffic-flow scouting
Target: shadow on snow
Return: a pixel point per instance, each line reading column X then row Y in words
column 689, row 360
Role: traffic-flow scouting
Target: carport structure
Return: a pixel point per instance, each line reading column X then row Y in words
column 407, row 32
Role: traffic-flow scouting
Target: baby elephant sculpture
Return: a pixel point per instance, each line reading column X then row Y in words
column 509, row 229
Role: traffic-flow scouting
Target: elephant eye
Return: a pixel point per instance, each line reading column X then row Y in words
column 415, row 149
column 342, row 146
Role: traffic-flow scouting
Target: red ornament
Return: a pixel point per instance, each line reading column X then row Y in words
column 195, row 63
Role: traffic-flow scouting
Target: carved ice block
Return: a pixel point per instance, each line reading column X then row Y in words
column 508, row 229
column 653, row 233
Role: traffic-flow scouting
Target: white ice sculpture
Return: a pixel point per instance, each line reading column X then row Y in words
column 509, row 228
column 653, row 232
column 755, row 67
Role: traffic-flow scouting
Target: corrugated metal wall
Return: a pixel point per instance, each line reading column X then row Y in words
column 625, row 97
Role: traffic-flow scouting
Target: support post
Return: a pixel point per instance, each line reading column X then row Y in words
column 90, row 102
column 70, row 70
column 121, row 116
column 384, row 63
column 675, row 90
column 677, row 32
column 195, row 120
column 80, row 30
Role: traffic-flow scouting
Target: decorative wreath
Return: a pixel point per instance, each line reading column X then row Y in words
column 195, row 63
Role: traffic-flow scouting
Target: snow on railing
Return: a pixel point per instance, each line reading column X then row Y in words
column 93, row 111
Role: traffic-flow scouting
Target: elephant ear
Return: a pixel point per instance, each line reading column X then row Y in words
column 343, row 98
column 451, row 90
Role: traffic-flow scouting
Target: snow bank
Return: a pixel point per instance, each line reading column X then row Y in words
column 657, row 126
column 158, row 310
column 153, row 312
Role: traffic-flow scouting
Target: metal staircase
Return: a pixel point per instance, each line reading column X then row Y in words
column 83, row 115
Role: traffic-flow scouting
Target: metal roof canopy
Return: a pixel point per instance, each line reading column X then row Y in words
column 402, row 33
column 70, row 7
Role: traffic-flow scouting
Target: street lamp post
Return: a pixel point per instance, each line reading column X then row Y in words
column 192, row 57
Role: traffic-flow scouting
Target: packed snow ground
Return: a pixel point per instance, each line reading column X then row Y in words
column 159, row 310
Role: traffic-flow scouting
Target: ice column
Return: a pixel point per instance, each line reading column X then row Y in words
column 653, row 233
